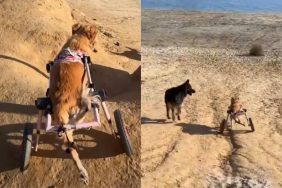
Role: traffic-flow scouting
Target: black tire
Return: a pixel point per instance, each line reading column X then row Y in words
column 122, row 132
column 26, row 146
column 222, row 126
column 251, row 124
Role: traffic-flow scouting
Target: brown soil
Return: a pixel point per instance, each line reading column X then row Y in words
column 31, row 34
column 210, row 49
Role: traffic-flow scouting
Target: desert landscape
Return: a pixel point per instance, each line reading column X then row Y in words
column 32, row 33
column 211, row 50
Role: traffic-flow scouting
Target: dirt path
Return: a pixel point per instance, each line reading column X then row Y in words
column 190, row 153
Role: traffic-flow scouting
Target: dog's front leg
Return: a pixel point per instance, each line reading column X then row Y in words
column 83, row 173
column 167, row 111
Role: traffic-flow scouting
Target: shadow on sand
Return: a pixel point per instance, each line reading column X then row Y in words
column 197, row 129
column 230, row 132
column 248, row 55
column 146, row 120
column 18, row 108
column 116, row 82
column 130, row 53
column 103, row 145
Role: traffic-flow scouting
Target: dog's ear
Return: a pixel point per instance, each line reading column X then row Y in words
column 75, row 28
column 187, row 81
column 232, row 99
column 90, row 32
column 235, row 99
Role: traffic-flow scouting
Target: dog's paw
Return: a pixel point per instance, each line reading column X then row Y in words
column 84, row 177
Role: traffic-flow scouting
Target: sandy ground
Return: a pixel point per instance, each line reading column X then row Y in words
column 210, row 49
column 31, row 34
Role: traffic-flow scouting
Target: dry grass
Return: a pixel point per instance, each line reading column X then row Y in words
column 256, row 50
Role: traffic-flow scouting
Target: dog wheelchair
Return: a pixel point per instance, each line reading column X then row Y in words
column 44, row 121
column 234, row 117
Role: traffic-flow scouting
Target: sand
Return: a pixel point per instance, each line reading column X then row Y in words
column 210, row 49
column 31, row 34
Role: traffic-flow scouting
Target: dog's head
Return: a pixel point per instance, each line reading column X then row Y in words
column 89, row 31
column 188, row 88
column 235, row 100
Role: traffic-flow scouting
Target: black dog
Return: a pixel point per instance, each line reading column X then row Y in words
column 174, row 98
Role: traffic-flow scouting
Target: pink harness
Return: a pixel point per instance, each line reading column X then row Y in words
column 68, row 55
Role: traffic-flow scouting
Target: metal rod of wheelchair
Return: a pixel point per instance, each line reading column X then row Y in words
column 246, row 115
column 247, row 118
column 228, row 116
column 106, row 111
column 231, row 121
column 48, row 67
column 48, row 122
column 39, row 122
column 96, row 115
column 107, row 114
column 86, row 66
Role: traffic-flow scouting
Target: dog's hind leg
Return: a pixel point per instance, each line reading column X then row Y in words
column 73, row 151
column 173, row 115
column 78, row 114
column 167, row 110
column 178, row 112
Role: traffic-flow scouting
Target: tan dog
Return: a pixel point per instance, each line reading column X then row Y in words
column 235, row 105
column 68, row 86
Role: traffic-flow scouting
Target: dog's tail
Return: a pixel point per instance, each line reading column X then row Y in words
column 61, row 113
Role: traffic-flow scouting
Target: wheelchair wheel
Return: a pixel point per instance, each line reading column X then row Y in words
column 251, row 124
column 26, row 146
column 122, row 132
column 222, row 126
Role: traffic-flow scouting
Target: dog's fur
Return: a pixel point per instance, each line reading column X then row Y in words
column 68, row 90
column 174, row 98
column 235, row 105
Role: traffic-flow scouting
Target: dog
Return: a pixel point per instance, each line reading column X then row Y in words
column 235, row 105
column 68, row 88
column 234, row 108
column 174, row 98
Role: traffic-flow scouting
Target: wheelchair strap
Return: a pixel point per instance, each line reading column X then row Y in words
column 71, row 56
